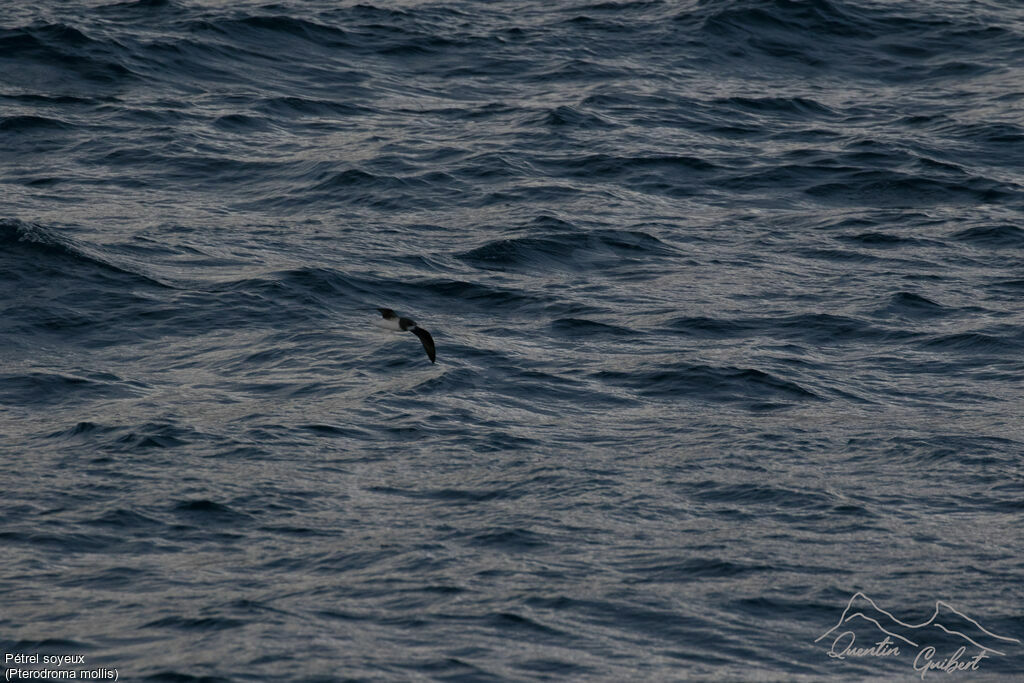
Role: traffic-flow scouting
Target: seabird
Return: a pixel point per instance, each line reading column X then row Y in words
column 393, row 322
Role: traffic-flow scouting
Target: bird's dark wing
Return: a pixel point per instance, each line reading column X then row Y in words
column 428, row 342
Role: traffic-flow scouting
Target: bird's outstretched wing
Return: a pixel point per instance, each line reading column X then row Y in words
column 428, row 341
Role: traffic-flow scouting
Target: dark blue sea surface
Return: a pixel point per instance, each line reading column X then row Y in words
column 728, row 300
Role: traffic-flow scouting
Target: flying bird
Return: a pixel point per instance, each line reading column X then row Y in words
column 393, row 322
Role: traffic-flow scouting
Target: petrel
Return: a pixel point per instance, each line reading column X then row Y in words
column 393, row 322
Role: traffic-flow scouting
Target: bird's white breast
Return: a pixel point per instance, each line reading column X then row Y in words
column 387, row 324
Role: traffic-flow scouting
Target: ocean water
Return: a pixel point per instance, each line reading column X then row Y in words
column 727, row 298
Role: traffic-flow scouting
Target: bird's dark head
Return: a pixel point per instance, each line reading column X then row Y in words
column 387, row 313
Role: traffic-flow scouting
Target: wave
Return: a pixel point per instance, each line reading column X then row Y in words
column 789, row 107
column 994, row 236
column 881, row 240
column 866, row 41
column 814, row 329
column 273, row 28
column 568, row 251
column 57, row 49
column 49, row 388
column 579, row 327
column 573, row 117
column 28, row 123
column 607, row 166
column 58, row 254
column 749, row 387
column 761, row 494
column 977, row 343
column 891, row 188
column 914, row 305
